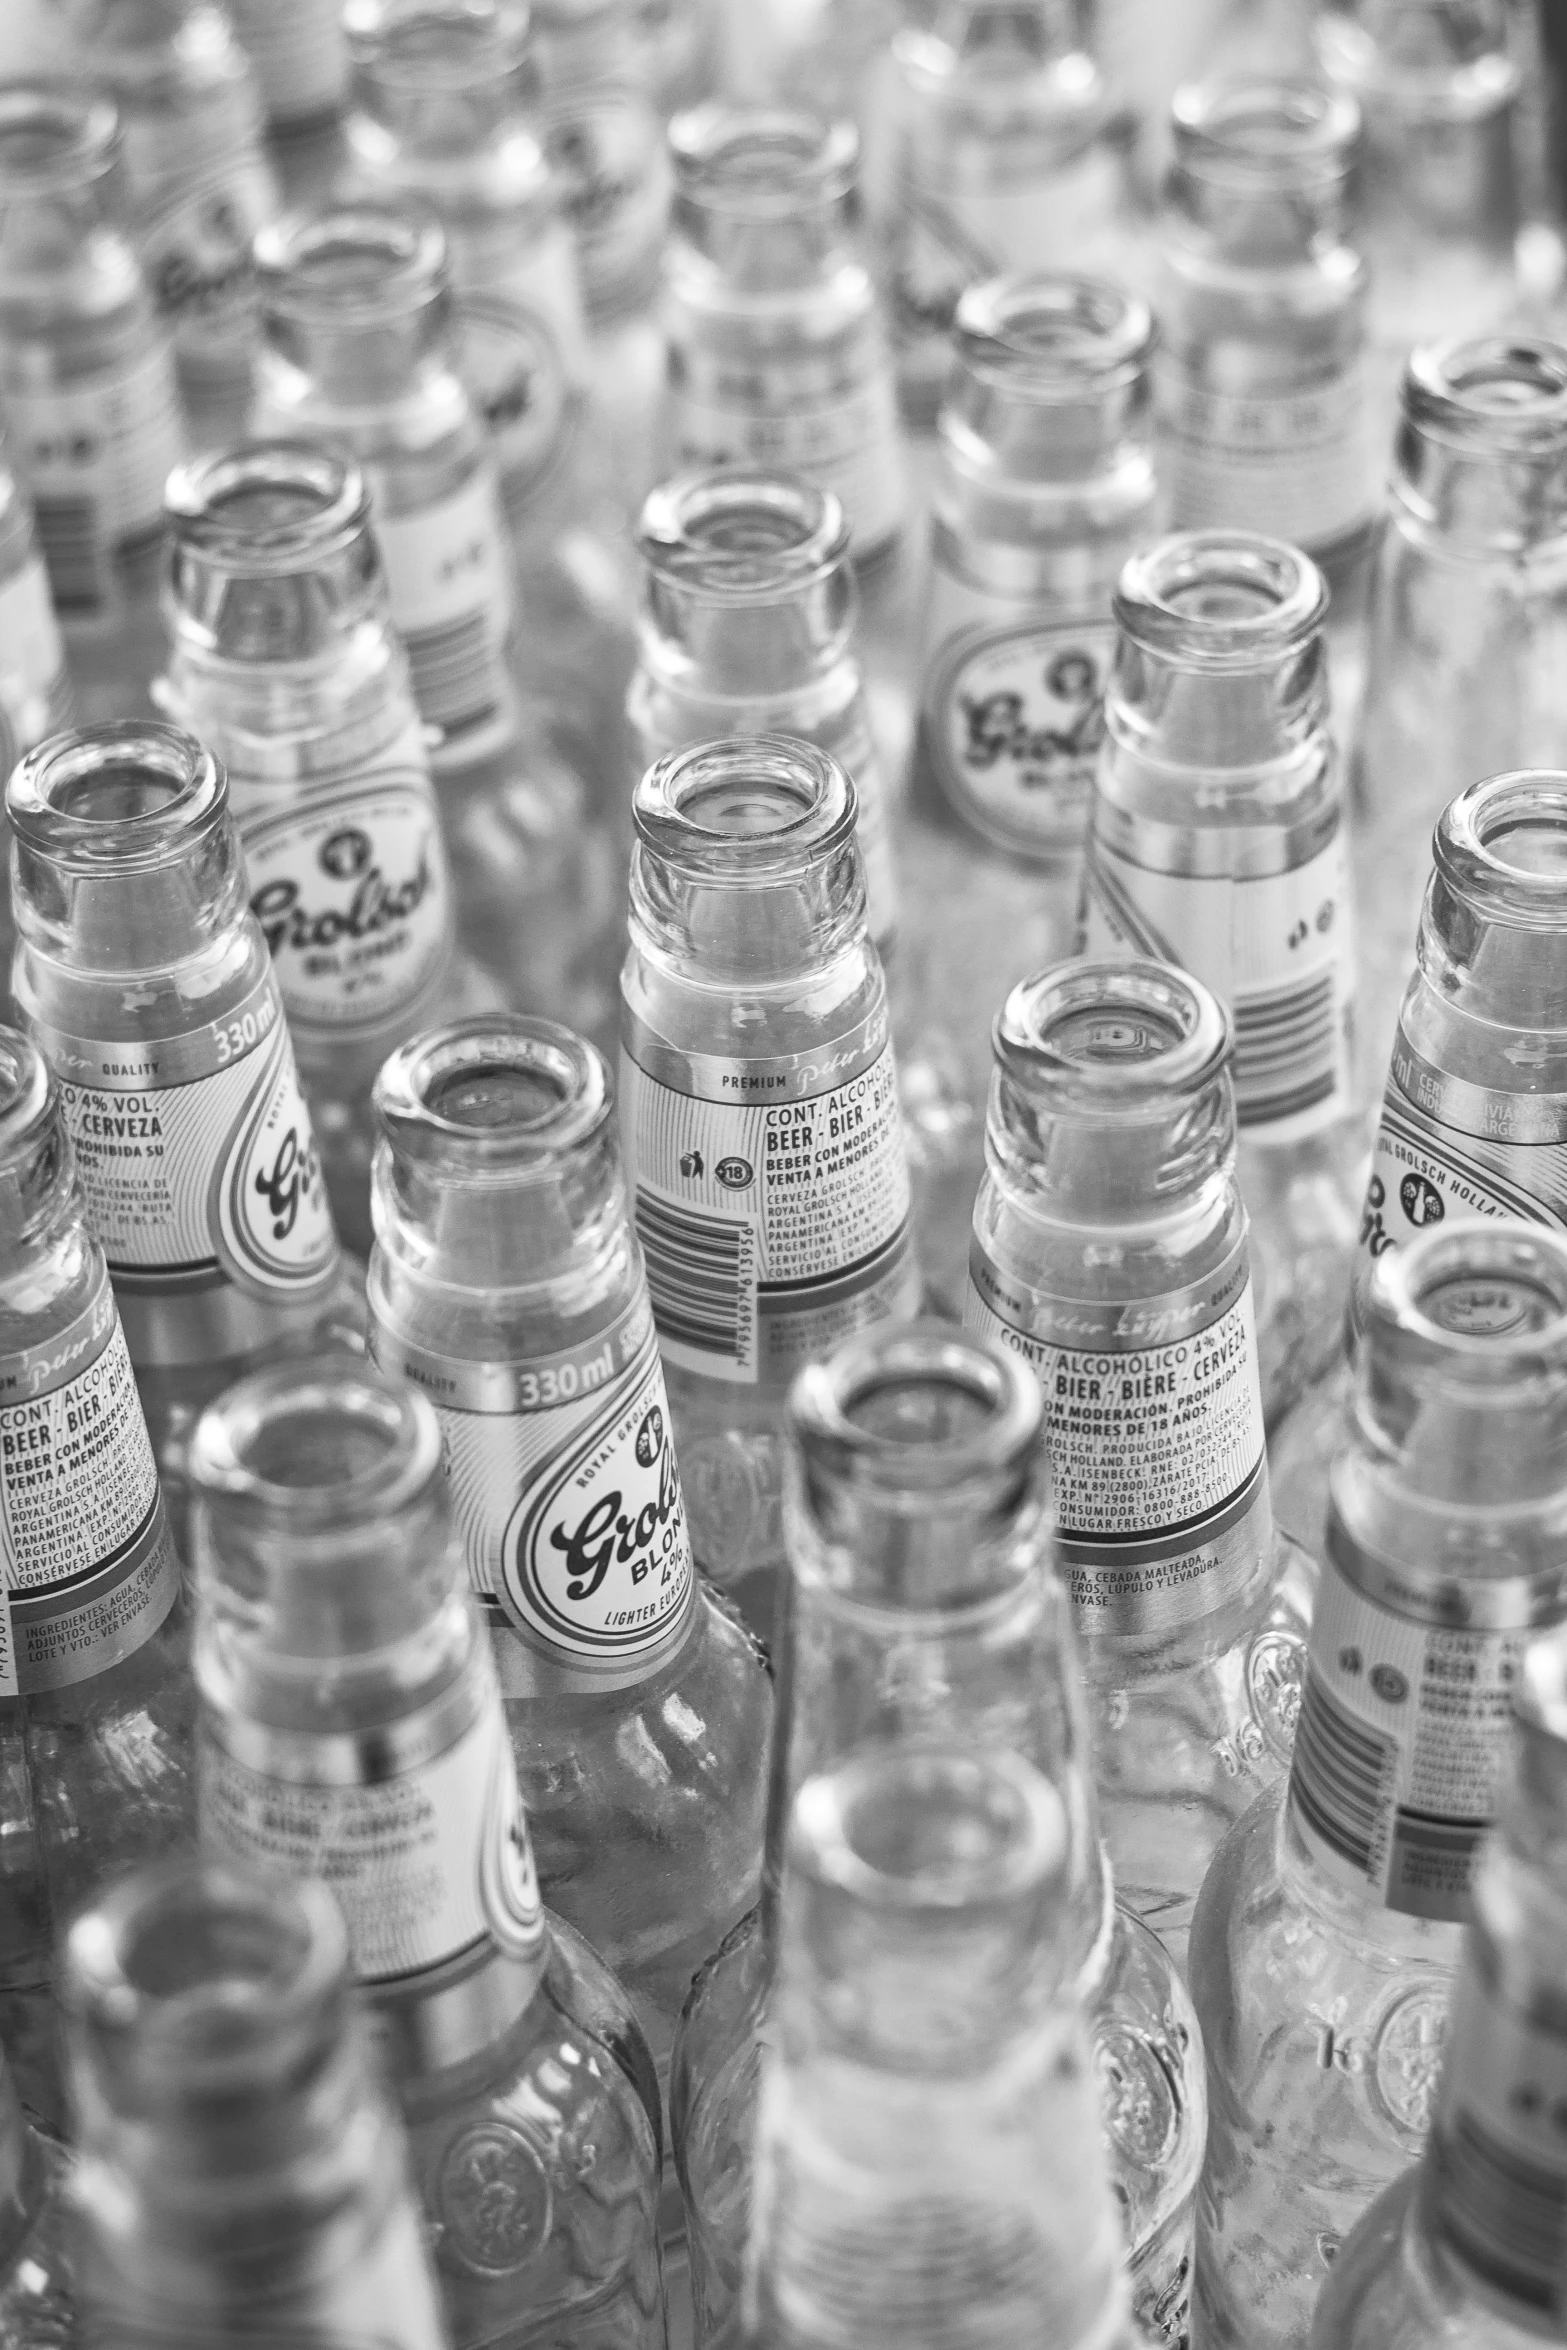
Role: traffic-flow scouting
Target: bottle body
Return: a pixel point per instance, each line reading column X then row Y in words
column 37, row 2306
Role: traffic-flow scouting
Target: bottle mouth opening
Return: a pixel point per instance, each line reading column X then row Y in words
column 1221, row 599
column 196, row 1972
column 352, row 265
column 1443, row 65
column 1120, row 1040
column 267, row 506
column 1501, row 846
column 917, row 1410
column 129, row 796
column 938, row 1828
column 1266, row 132
column 749, row 811
column 737, row 534
column 1044, row 331
column 26, row 1089
column 420, row 48
column 512, row 1090
column 51, row 136
column 1469, row 1287
column 761, row 163
column 1502, row 393
column 316, row 1446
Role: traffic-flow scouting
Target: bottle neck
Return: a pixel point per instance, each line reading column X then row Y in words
column 555, row 1229
column 748, row 646
column 1293, row 219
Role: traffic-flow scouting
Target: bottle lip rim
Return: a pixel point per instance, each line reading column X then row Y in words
column 830, row 1443
column 1441, row 395
column 1319, row 130
column 991, row 338
column 1461, row 92
column 833, row 1810
column 198, row 488
column 404, row 235
column 414, row 1126
column 1290, row 595
column 805, row 778
column 316, row 1388
column 497, row 37
column 27, row 1092
column 1470, row 1250
column 1200, row 1027
column 816, row 157
column 677, row 509
column 157, row 835
column 88, row 121
column 1465, row 851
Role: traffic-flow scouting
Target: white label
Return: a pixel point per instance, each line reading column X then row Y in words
column 196, row 1154
column 300, row 53
column 539, row 277
column 31, row 654
column 1155, row 1437
column 1449, row 1148
column 1294, row 465
column 772, row 1199
column 1402, row 1732
column 565, row 1488
column 87, row 1567
column 1278, row 949
column 1014, row 718
column 450, row 588
column 95, row 455
column 196, row 245
column 424, row 1863
column 351, row 889
column 774, row 415
column 1497, row 2164
column 516, row 377
column 608, row 153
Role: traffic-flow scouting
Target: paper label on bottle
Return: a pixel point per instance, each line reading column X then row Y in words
column 95, row 455
column 1295, row 465
column 1449, row 1148
column 780, row 416
column 1014, row 717
column 196, row 1154
column 87, row 1565
column 351, row 889
column 1497, row 2164
column 450, row 587
column 945, row 240
column 1153, row 1416
column 565, row 1488
column 772, row 1199
column 32, row 659
column 299, row 51
column 538, row 274
column 606, row 148
column 512, row 364
column 1404, row 1726
column 425, row 1862
column 1277, row 948
column 196, row 248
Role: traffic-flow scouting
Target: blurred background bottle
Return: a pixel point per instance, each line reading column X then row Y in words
column 507, row 1283
column 298, row 50
column 1044, row 485
column 147, row 984
column 1110, row 1250
column 284, row 664
column 928, row 2155
column 351, row 1731
column 923, row 1604
column 92, row 407
column 36, row 697
column 238, row 2168
column 759, row 1109
column 37, row 2305
column 1220, row 841
column 1328, row 1930
column 1470, row 2248
column 198, row 178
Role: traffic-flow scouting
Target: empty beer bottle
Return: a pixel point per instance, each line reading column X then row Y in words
column 1328, row 1930
column 927, row 2150
column 37, row 2306
column 758, row 1102
column 507, row 1283
column 284, row 664
column 92, row 408
column 1220, row 841
column 146, row 982
column 299, row 53
column 1110, row 1250
column 923, row 1604
column 239, row 2175
column 35, row 692
column 1469, row 2250
column 352, row 1732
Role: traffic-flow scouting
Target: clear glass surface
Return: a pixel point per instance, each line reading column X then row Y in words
column 37, row 2305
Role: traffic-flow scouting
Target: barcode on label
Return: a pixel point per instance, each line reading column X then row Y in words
column 1341, row 1772
column 70, row 535
column 456, row 668
column 1287, row 1049
column 700, row 1278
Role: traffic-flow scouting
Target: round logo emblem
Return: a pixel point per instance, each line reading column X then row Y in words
column 346, row 853
column 734, row 1174
column 1421, row 1202
column 650, row 1438
column 1406, row 2061
column 493, row 2198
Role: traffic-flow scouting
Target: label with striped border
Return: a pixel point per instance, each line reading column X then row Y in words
column 449, row 580
column 1446, row 1147
column 772, row 1198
